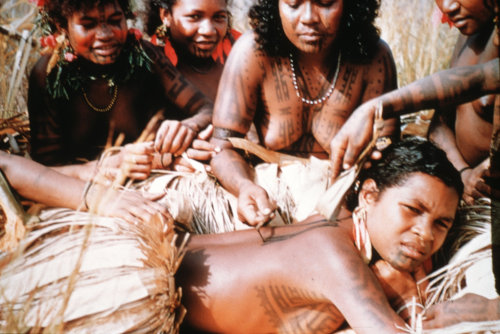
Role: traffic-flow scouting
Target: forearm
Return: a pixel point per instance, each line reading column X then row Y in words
column 201, row 119
column 441, row 89
column 41, row 184
column 232, row 171
column 444, row 137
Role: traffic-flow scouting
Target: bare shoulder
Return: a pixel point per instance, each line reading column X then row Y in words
column 39, row 71
column 247, row 56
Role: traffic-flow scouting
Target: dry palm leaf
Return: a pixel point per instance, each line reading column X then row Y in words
column 330, row 203
column 76, row 272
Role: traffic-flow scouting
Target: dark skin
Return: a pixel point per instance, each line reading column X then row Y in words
column 258, row 89
column 279, row 300
column 439, row 89
column 464, row 99
column 36, row 182
column 465, row 134
column 97, row 36
column 286, row 291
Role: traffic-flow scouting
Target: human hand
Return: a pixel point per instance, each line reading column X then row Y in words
column 130, row 205
column 353, row 137
column 470, row 307
column 475, row 183
column 201, row 151
column 173, row 137
column 137, row 160
column 254, row 206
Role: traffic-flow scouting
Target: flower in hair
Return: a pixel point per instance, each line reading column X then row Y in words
column 69, row 56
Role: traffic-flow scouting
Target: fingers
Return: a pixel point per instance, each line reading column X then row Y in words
column 337, row 149
column 206, row 133
column 173, row 137
column 137, row 160
column 254, row 206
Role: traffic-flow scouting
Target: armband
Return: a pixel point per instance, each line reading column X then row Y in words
column 224, row 134
column 464, row 169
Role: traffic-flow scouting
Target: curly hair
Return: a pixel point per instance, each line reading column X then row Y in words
column 403, row 158
column 152, row 17
column 359, row 36
column 60, row 10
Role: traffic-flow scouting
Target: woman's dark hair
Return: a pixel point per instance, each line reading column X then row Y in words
column 59, row 10
column 403, row 158
column 358, row 36
column 152, row 17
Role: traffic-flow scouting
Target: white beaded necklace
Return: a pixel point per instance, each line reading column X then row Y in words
column 328, row 93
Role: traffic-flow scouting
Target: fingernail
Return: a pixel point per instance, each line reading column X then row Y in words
column 217, row 149
column 346, row 166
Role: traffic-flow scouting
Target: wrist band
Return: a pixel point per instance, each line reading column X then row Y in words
column 464, row 169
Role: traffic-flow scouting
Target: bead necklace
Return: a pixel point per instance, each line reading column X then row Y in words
column 328, row 93
column 104, row 109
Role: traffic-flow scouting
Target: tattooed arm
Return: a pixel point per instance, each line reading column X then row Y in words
column 174, row 136
column 304, row 278
column 440, row 89
column 234, row 112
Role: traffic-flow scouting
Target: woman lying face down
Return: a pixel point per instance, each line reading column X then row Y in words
column 313, row 276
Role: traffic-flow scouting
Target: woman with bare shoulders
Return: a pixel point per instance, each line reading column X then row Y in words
column 297, row 76
column 102, row 80
column 465, row 132
column 196, row 36
column 309, row 277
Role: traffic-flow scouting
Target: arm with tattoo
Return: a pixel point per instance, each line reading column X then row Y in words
column 234, row 112
column 174, row 136
column 441, row 89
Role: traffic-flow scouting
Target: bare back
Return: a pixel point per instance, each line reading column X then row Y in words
column 304, row 278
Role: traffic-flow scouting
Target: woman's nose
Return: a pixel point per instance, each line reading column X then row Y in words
column 104, row 32
column 206, row 27
column 423, row 229
column 449, row 6
column 308, row 14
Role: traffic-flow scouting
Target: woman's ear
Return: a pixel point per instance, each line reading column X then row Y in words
column 368, row 193
column 165, row 16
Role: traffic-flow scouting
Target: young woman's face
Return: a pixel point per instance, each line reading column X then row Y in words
column 469, row 16
column 311, row 25
column 98, row 34
column 409, row 223
column 197, row 25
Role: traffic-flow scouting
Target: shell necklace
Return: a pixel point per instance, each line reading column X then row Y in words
column 328, row 92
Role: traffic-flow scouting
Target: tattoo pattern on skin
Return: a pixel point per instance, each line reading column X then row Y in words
column 222, row 133
column 286, row 131
column 348, row 80
column 281, row 87
column 294, row 310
